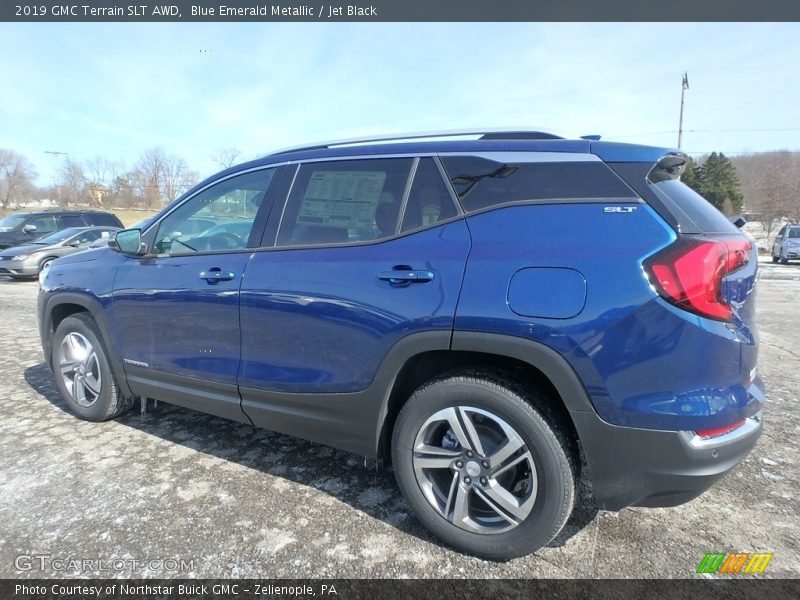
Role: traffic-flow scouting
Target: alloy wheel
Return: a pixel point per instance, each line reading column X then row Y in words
column 80, row 369
column 475, row 470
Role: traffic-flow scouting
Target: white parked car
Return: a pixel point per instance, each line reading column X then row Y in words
column 786, row 246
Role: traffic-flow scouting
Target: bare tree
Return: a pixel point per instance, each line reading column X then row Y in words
column 176, row 178
column 101, row 174
column 151, row 167
column 72, row 183
column 226, row 157
column 16, row 178
column 771, row 186
column 162, row 177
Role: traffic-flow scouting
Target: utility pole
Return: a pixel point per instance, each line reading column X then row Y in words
column 56, row 154
column 684, row 87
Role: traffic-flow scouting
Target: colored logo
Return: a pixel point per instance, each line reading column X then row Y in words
column 739, row 562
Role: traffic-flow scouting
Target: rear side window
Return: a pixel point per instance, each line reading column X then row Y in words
column 699, row 210
column 429, row 201
column 71, row 221
column 103, row 219
column 482, row 183
column 336, row 202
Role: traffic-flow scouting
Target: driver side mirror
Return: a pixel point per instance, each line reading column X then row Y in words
column 128, row 241
column 29, row 228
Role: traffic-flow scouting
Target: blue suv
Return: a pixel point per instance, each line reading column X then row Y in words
column 497, row 317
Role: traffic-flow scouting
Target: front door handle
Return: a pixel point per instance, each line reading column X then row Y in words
column 216, row 275
column 405, row 276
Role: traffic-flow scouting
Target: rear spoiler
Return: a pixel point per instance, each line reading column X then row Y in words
column 669, row 166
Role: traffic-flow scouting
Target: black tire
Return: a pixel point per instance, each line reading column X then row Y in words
column 775, row 259
column 108, row 402
column 525, row 412
column 784, row 261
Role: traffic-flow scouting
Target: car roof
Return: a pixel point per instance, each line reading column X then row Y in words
column 606, row 151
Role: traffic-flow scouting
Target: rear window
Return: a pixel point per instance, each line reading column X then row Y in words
column 482, row 183
column 699, row 210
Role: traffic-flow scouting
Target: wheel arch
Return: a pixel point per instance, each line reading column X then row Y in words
column 60, row 306
column 525, row 361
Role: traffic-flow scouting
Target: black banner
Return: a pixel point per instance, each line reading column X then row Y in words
column 390, row 589
column 403, row 10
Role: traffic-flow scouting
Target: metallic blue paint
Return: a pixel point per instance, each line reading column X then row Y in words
column 165, row 315
column 644, row 362
column 321, row 320
column 530, row 292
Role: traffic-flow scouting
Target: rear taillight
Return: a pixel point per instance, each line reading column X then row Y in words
column 689, row 273
column 718, row 431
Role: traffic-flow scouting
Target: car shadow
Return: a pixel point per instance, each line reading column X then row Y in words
column 347, row 477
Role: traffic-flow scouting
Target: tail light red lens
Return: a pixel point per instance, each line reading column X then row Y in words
column 689, row 273
column 718, row 431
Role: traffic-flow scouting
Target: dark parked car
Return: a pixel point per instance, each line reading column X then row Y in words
column 489, row 315
column 31, row 259
column 24, row 227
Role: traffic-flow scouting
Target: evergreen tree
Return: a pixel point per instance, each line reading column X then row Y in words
column 717, row 182
column 689, row 176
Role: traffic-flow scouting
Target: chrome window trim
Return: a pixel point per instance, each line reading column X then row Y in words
column 528, row 157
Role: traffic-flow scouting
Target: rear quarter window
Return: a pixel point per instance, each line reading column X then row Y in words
column 699, row 210
column 482, row 183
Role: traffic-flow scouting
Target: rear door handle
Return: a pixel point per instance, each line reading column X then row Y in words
column 216, row 275
column 402, row 276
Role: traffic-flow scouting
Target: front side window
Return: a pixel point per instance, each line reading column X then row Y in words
column 336, row 202
column 44, row 224
column 218, row 218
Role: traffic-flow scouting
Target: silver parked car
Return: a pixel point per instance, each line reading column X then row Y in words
column 787, row 245
column 30, row 259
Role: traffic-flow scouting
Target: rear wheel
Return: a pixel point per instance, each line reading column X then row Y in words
column 83, row 373
column 482, row 468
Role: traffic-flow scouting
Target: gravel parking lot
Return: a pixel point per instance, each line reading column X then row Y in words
column 230, row 500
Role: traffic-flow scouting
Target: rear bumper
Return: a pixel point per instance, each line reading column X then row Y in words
column 646, row 467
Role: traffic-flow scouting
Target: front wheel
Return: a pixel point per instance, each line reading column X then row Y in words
column 482, row 468
column 775, row 258
column 45, row 264
column 83, row 373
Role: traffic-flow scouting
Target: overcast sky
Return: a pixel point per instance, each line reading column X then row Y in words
column 115, row 89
